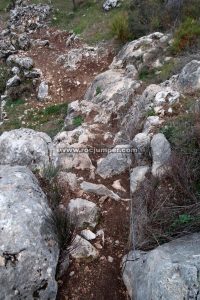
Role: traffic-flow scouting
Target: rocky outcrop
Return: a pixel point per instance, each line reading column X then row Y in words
column 147, row 51
column 168, row 272
column 27, row 147
column 189, row 78
column 28, row 251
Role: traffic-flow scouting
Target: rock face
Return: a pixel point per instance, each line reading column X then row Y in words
column 27, row 147
column 28, row 253
column 189, row 79
column 168, row 272
column 161, row 152
column 113, row 92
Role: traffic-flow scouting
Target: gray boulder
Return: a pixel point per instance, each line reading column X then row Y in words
column 109, row 4
column 83, row 212
column 20, row 61
column 141, row 144
column 23, row 41
column 137, row 176
column 43, row 91
column 27, row 147
column 113, row 92
column 170, row 272
column 189, row 78
column 161, row 152
column 82, row 249
column 28, row 252
column 116, row 162
column 14, row 81
column 143, row 52
column 99, row 189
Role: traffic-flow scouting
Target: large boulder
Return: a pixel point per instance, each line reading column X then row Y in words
column 170, row 272
column 28, row 252
column 27, row 147
column 189, row 78
column 23, row 62
column 143, row 52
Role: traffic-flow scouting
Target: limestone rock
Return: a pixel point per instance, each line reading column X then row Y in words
column 83, row 212
column 116, row 162
column 99, row 189
column 28, row 251
column 161, row 152
column 27, row 147
column 167, row 272
column 82, row 249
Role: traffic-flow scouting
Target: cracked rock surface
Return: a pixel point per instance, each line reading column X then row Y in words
column 28, row 252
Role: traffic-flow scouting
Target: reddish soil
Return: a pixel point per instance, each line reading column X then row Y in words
column 65, row 85
column 101, row 279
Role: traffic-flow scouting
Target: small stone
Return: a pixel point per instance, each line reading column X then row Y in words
column 110, row 259
column 88, row 234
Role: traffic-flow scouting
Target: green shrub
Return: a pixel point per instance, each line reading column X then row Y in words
column 4, row 76
column 98, row 90
column 77, row 121
column 146, row 16
column 120, row 28
column 187, row 35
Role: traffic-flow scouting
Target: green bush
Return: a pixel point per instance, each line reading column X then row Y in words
column 146, row 16
column 187, row 35
column 4, row 76
column 77, row 121
column 120, row 27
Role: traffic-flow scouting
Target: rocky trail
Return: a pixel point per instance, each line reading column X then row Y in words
column 110, row 147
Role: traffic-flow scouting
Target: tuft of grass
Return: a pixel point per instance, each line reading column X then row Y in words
column 50, row 172
column 77, row 121
column 150, row 112
column 22, row 114
column 98, row 90
column 59, row 223
column 4, row 76
column 120, row 28
column 187, row 36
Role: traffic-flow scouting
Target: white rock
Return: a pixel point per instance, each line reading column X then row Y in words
column 82, row 249
column 88, row 234
column 137, row 176
column 83, row 212
column 99, row 189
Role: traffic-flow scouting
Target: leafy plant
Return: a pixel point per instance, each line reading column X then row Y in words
column 4, row 76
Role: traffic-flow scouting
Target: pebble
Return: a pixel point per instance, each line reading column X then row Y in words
column 110, row 259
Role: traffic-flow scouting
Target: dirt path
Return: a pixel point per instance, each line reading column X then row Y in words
column 65, row 85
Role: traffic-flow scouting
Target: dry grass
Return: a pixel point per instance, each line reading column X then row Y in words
column 167, row 208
